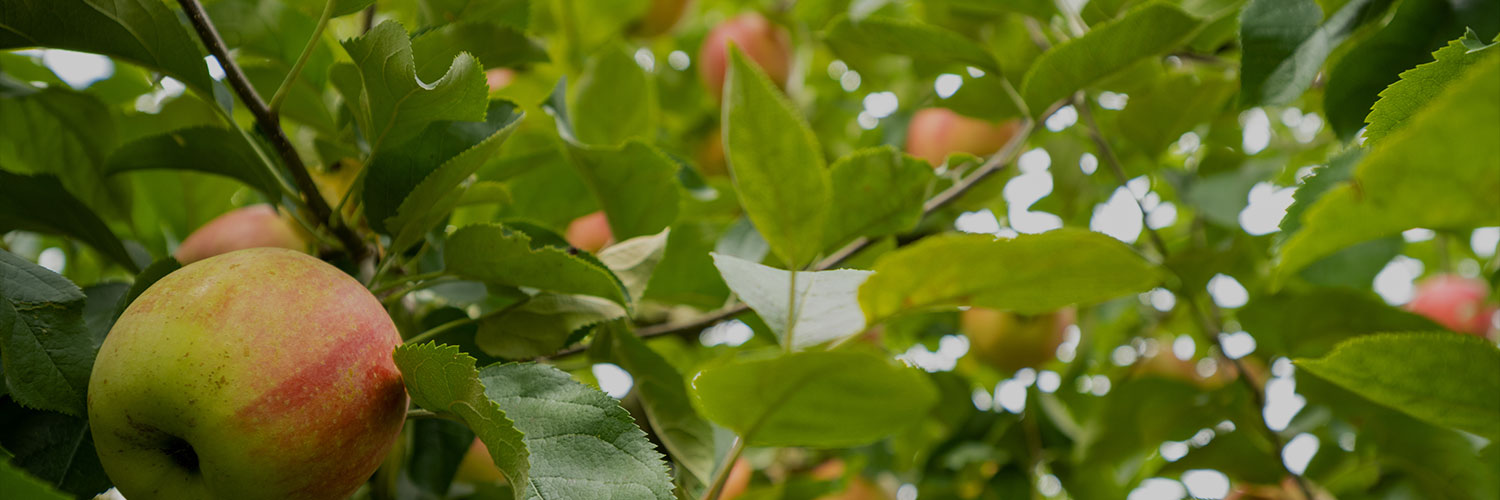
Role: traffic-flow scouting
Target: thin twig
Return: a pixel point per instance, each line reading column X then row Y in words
column 270, row 125
column 312, row 45
column 1209, row 321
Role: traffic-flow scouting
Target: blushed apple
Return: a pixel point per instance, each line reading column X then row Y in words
column 660, row 17
column 260, row 373
column 1455, row 302
column 738, row 480
column 499, row 78
column 254, row 226
column 590, row 232
column 1010, row 341
column 762, row 42
column 935, row 133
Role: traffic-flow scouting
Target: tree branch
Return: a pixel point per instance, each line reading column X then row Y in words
column 270, row 125
column 1209, row 321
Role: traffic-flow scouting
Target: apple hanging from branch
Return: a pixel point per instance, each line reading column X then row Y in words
column 260, row 373
column 254, row 226
column 1010, row 341
column 935, row 133
column 1455, row 302
column 764, row 43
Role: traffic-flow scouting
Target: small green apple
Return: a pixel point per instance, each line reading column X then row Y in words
column 1009, row 341
column 260, row 373
column 254, row 226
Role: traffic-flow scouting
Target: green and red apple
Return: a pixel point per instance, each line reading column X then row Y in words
column 660, row 17
column 590, row 232
column 255, row 226
column 762, row 42
column 257, row 374
column 1010, row 341
column 935, row 133
column 1456, row 302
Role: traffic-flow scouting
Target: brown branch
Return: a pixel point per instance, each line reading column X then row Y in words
column 1209, row 321
column 270, row 125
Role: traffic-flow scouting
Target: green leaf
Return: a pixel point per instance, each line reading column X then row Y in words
column 67, row 134
column 512, row 13
column 52, row 447
column 1441, row 172
column 634, row 261
column 493, row 45
column 776, row 163
column 1156, row 409
column 1420, row 86
column 1418, row 27
column 825, row 305
column 635, row 184
column 583, row 445
column 432, row 199
column 204, row 149
column 1339, row 169
column 663, row 392
column 614, row 101
column 441, row 379
column 1285, row 45
column 543, row 324
column 495, row 254
column 39, row 203
column 876, row 192
column 910, row 38
column 1298, row 323
column 418, row 175
column 346, row 7
column 144, row 32
column 15, row 482
column 1445, row 378
column 1159, row 114
column 47, row 352
column 1145, row 31
column 822, row 399
column 1029, row 274
column 390, row 104
column 440, row 448
column 147, row 277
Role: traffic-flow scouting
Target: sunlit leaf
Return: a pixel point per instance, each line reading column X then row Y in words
column 824, row 306
column 1108, row 48
column 495, row 254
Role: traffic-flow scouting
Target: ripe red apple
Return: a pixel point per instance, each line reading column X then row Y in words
column 254, row 226
column 660, row 17
column 935, row 133
column 764, row 43
column 1455, row 302
column 1010, row 341
column 260, row 373
column 590, row 232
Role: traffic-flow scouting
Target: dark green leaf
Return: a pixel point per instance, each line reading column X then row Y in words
column 493, row 45
column 1419, row 87
column 203, row 149
column 391, row 105
column 635, row 184
column 444, row 380
column 1440, row 172
column 821, row 399
column 1145, row 31
column 663, row 391
column 776, row 163
column 1157, row 117
column 495, row 254
column 144, row 32
column 438, row 447
column 583, row 445
column 1029, row 274
column 1286, row 41
column 39, row 203
column 67, row 134
column 147, row 277
column 542, row 325
column 1299, row 323
column 48, row 352
column 512, row 13
column 1445, row 378
column 876, row 192
column 56, row 448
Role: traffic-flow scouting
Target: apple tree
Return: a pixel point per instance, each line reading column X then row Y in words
column 754, row 249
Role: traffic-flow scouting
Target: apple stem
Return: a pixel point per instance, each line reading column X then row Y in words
column 1209, row 321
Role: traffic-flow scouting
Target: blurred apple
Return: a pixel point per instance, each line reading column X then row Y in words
column 1010, row 341
column 254, row 226
column 762, row 42
column 1167, row 365
column 477, row 466
column 935, row 133
column 710, row 153
column 660, row 17
column 499, row 78
column 1455, row 302
column 738, row 480
column 590, row 232
column 859, row 488
column 260, row 373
